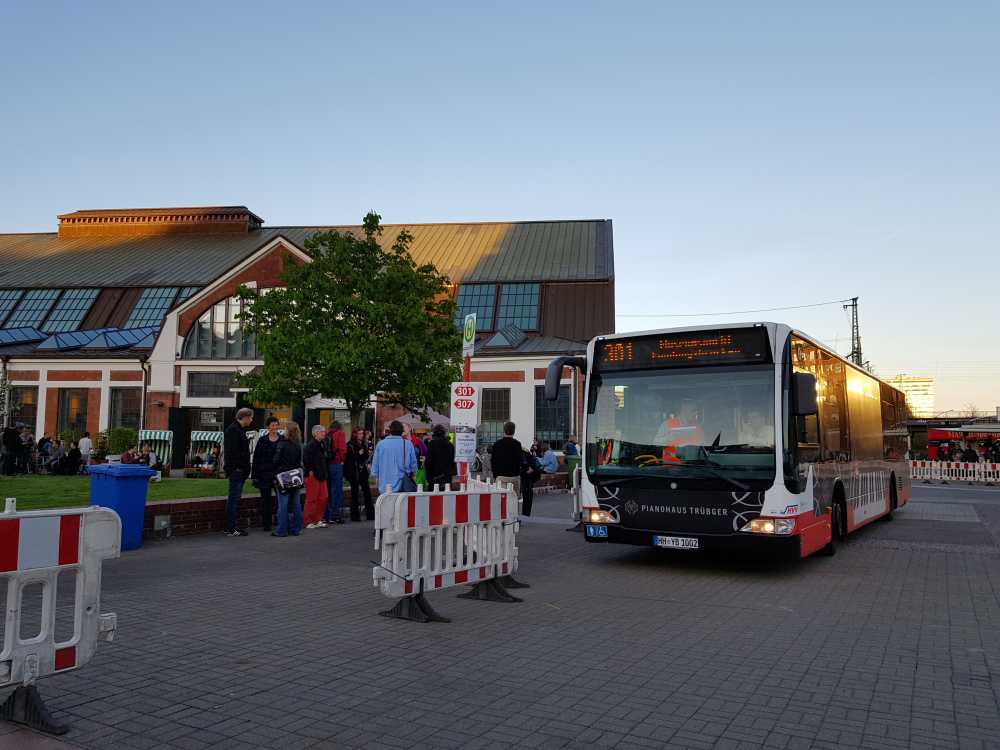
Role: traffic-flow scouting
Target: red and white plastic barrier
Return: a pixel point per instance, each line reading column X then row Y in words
column 35, row 547
column 432, row 540
column 954, row 471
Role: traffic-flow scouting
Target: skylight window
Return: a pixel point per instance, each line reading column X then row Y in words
column 152, row 306
column 70, row 310
column 8, row 299
column 33, row 308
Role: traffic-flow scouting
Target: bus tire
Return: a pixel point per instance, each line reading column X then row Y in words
column 892, row 501
column 836, row 526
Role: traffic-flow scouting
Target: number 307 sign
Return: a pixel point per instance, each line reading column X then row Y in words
column 465, row 404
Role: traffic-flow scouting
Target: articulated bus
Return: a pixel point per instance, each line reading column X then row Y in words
column 747, row 437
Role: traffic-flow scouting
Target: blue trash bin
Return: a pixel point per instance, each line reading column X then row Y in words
column 122, row 487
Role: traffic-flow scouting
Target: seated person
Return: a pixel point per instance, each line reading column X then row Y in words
column 549, row 461
column 148, row 458
column 131, row 456
column 58, row 454
column 756, row 431
column 688, row 417
column 213, row 460
column 70, row 466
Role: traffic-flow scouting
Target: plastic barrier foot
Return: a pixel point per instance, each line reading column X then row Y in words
column 25, row 706
column 490, row 591
column 416, row 609
column 579, row 527
column 508, row 582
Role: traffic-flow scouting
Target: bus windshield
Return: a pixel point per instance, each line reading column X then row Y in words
column 695, row 423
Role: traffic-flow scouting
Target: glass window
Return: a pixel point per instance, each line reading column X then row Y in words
column 8, row 299
column 126, row 407
column 519, row 305
column 72, row 409
column 186, row 292
column 210, row 384
column 697, row 423
column 34, row 308
column 495, row 411
column 69, row 311
column 152, row 306
column 27, row 413
column 219, row 335
column 479, row 299
column 552, row 417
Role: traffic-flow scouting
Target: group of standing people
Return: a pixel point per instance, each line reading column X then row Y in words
column 325, row 460
column 969, row 454
column 330, row 457
column 58, row 457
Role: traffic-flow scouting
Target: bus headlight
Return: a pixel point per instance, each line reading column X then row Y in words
column 601, row 516
column 780, row 526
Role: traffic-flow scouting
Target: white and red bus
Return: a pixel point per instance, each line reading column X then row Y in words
column 747, row 436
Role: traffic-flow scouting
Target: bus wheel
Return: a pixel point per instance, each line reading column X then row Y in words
column 835, row 531
column 892, row 502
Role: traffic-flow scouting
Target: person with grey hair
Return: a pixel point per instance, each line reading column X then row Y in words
column 236, row 464
column 314, row 465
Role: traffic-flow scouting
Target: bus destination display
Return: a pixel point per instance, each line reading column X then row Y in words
column 729, row 346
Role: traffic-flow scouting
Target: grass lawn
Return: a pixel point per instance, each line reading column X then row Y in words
column 34, row 492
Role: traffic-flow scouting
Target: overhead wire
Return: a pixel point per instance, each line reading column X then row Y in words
column 735, row 312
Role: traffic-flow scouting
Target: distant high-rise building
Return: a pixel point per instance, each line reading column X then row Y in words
column 919, row 394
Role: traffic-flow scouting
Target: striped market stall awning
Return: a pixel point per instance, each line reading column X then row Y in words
column 161, row 442
column 206, row 437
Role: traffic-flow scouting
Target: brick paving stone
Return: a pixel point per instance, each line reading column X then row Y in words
column 889, row 644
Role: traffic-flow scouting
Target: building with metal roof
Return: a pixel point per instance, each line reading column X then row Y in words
column 125, row 317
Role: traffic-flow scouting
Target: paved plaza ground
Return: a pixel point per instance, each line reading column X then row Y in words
column 276, row 643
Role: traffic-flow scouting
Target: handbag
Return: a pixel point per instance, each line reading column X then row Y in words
column 407, row 485
column 421, row 477
column 290, row 480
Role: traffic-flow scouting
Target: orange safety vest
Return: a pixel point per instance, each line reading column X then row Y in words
column 670, row 451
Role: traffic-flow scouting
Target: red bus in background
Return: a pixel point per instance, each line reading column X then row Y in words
column 971, row 435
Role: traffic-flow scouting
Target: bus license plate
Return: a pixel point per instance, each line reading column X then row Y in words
column 675, row 542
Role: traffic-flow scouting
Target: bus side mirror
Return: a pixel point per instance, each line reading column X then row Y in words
column 554, row 374
column 804, row 393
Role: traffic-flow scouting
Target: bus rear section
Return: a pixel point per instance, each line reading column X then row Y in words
column 698, row 439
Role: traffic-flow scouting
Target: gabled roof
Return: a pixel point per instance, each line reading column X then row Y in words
column 488, row 252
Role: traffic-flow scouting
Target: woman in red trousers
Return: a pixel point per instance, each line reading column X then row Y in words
column 314, row 462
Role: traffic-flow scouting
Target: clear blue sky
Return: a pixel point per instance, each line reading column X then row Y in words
column 751, row 154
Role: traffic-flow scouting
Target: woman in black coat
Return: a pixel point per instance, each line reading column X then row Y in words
column 262, row 470
column 288, row 456
column 440, row 462
column 356, row 473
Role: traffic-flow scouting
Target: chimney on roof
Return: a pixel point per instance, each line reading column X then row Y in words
column 130, row 222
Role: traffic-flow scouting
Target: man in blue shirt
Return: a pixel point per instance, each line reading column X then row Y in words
column 394, row 458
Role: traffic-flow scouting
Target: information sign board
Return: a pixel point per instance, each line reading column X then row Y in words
column 465, row 399
column 469, row 335
column 465, row 444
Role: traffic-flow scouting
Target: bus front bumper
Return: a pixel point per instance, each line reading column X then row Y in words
column 740, row 542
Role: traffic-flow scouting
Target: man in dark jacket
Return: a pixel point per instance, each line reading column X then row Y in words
column 507, row 458
column 236, row 464
column 12, row 446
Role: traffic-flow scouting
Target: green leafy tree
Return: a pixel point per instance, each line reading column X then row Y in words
column 357, row 321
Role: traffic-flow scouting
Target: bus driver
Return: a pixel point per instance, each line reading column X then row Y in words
column 688, row 417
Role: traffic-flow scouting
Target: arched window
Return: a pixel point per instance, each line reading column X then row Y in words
column 219, row 335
